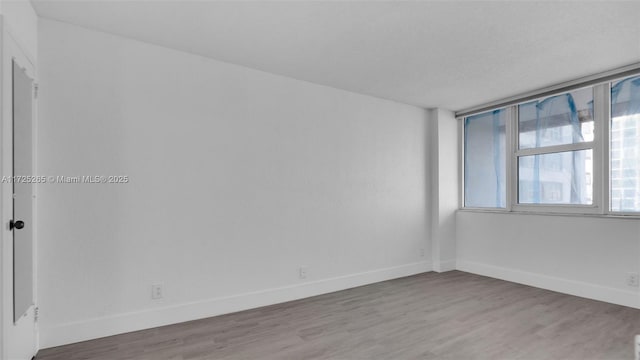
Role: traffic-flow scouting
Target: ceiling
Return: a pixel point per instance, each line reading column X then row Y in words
column 452, row 55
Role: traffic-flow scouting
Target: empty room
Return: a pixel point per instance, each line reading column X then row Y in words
column 238, row 180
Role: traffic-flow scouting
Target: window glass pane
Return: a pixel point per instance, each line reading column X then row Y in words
column 625, row 145
column 484, row 155
column 557, row 120
column 558, row 178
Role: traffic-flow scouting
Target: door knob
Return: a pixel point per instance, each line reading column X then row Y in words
column 19, row 224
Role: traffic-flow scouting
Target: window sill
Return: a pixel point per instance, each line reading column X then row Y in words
column 621, row 216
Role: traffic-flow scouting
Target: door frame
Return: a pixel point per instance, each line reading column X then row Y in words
column 24, row 333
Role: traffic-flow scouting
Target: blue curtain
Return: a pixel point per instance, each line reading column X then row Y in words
column 625, row 97
column 625, row 175
column 484, row 138
column 552, row 113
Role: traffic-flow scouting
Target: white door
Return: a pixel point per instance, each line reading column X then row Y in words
column 19, row 311
column 22, row 223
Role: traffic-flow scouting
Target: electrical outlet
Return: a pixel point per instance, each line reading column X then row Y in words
column 156, row 291
column 633, row 279
column 303, row 271
column 637, row 347
column 422, row 252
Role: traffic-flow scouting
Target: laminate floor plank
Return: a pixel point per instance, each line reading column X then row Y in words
column 447, row 316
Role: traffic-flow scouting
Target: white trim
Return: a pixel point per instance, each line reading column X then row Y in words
column 144, row 319
column 461, row 162
column 612, row 215
column 597, row 158
column 434, row 163
column 601, row 154
column 487, row 209
column 625, row 214
column 557, row 208
column 562, row 285
column 511, row 146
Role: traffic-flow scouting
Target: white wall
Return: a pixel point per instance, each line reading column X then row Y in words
column 238, row 177
column 21, row 22
column 584, row 256
column 444, row 157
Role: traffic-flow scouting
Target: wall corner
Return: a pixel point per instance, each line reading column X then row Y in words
column 445, row 182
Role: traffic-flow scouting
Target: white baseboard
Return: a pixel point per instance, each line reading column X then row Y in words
column 445, row 265
column 566, row 286
column 72, row 332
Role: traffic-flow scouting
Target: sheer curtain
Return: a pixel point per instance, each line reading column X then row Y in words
column 558, row 114
column 625, row 97
column 484, row 151
column 625, row 146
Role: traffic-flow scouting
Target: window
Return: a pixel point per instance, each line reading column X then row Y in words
column 625, row 145
column 555, row 142
column 571, row 178
column 485, row 160
column 549, row 154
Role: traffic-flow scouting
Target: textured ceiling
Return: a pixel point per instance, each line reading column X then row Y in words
column 431, row 54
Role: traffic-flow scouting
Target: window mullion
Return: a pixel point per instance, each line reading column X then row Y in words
column 557, row 149
column 511, row 145
column 601, row 114
column 461, row 163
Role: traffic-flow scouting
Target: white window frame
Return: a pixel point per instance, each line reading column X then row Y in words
column 596, row 146
column 601, row 206
column 599, row 146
